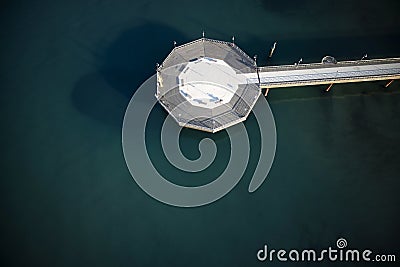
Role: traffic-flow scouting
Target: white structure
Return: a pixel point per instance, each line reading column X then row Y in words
column 208, row 82
column 203, row 85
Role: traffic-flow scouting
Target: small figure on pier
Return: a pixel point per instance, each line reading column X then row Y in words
column 328, row 60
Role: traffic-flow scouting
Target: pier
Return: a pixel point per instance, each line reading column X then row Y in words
column 210, row 85
column 326, row 73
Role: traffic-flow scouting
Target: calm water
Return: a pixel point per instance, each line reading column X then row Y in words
column 67, row 73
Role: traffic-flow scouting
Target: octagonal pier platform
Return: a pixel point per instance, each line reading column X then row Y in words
column 210, row 85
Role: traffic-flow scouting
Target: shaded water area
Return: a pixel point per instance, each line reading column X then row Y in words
column 67, row 73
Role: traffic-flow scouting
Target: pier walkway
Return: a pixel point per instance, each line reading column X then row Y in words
column 210, row 85
column 326, row 73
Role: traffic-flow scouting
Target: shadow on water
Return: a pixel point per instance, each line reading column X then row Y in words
column 289, row 50
column 284, row 7
column 128, row 62
column 361, row 11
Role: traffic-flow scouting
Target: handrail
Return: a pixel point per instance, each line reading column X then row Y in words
column 322, row 65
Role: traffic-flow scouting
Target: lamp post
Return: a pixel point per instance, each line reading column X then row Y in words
column 364, row 56
column 300, row 61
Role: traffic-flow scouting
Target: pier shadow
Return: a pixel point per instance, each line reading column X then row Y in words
column 284, row 7
column 311, row 50
column 359, row 12
column 131, row 59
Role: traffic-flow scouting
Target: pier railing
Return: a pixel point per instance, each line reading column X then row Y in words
column 329, row 65
column 327, row 73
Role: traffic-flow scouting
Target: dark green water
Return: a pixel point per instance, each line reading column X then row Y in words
column 67, row 73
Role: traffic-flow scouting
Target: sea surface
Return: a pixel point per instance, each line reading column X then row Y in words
column 67, row 72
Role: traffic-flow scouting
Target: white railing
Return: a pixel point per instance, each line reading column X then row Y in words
column 322, row 65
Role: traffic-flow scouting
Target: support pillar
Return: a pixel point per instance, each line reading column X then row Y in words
column 329, row 87
column 389, row 83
